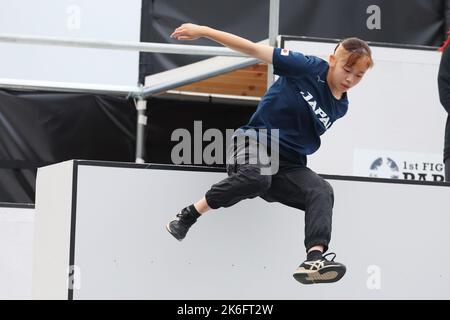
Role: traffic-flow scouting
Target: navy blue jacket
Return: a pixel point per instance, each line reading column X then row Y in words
column 300, row 104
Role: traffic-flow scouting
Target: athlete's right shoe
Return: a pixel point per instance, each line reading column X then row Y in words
column 320, row 271
column 180, row 226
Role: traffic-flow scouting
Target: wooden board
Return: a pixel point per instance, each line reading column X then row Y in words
column 250, row 81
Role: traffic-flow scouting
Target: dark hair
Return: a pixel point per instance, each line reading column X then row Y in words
column 358, row 48
column 446, row 43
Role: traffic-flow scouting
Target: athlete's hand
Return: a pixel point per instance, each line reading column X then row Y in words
column 187, row 31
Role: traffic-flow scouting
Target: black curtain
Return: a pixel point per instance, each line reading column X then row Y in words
column 167, row 115
column 38, row 129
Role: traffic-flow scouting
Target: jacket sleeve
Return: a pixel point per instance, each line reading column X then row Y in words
column 293, row 64
column 444, row 79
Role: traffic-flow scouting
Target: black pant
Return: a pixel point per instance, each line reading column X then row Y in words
column 293, row 185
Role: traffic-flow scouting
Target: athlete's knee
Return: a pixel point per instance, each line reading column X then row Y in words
column 327, row 188
column 322, row 190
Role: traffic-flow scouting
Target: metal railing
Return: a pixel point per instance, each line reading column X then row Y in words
column 136, row 92
column 121, row 45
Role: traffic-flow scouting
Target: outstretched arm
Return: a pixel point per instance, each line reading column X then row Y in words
column 189, row 31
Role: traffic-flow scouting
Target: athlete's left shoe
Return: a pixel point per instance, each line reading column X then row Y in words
column 180, row 226
column 320, row 271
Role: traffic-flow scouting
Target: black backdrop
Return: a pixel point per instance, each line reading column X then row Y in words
column 41, row 128
column 38, row 128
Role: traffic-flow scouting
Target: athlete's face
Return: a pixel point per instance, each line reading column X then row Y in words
column 343, row 77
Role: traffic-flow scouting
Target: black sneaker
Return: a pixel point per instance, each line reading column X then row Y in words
column 319, row 271
column 180, row 226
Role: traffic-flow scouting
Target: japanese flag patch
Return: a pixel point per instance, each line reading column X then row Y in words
column 284, row 52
